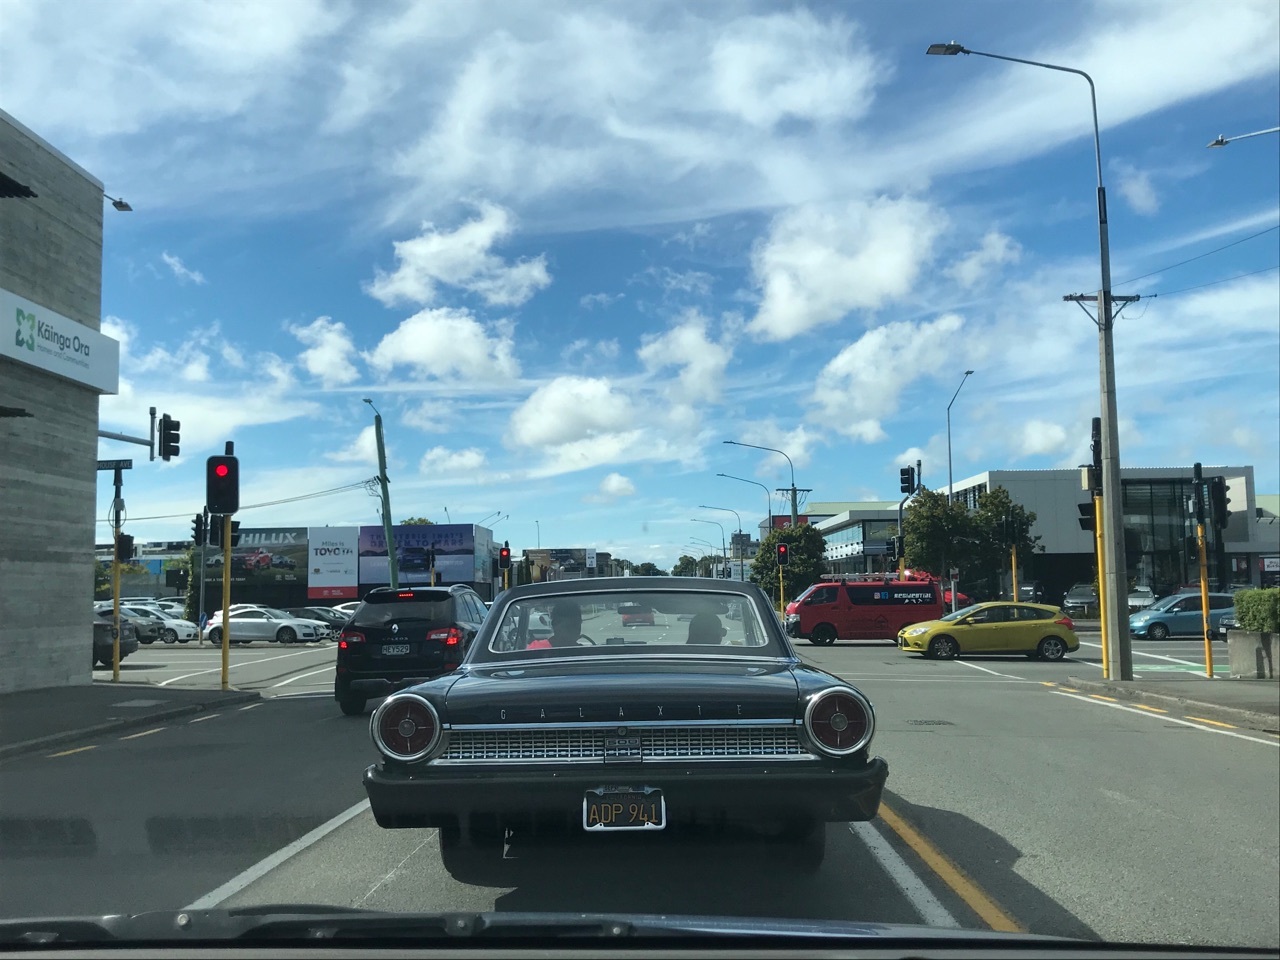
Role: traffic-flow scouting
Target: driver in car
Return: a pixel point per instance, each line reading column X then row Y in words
column 566, row 626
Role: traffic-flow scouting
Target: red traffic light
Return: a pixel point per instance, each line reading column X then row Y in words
column 221, row 470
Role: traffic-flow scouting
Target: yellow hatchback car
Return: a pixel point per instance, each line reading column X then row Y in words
column 1036, row 629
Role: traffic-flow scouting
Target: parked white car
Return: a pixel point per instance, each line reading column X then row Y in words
column 172, row 629
column 264, row 623
column 1141, row 598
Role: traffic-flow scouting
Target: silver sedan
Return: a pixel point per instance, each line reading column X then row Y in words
column 247, row 625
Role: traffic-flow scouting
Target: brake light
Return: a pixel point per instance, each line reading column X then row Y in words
column 839, row 721
column 349, row 636
column 405, row 594
column 405, row 727
column 451, row 637
column 1066, row 621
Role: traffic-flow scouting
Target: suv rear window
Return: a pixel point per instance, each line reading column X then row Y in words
column 382, row 608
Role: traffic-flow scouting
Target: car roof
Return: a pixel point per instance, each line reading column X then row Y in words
column 630, row 585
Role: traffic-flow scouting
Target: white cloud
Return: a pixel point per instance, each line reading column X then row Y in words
column 692, row 237
column 996, row 249
column 568, row 410
column 701, row 361
column 1040, row 437
column 593, row 300
column 445, row 342
column 613, row 487
column 1136, row 187
column 363, row 449
column 461, row 259
column 862, row 383
column 180, row 270
column 798, row 443
column 694, row 283
column 431, row 416
column 329, row 352
column 440, row 460
column 821, row 261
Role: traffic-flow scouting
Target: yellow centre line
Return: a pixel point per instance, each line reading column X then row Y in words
column 67, row 753
column 1216, row 723
column 1098, row 696
column 144, row 733
column 1047, row 683
column 1072, row 689
column 1143, row 706
column 950, row 874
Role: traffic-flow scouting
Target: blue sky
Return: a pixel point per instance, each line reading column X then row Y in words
column 568, row 249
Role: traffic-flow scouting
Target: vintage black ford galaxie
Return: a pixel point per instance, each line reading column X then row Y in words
column 699, row 720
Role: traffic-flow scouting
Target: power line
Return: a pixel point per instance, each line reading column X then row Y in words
column 1197, row 256
column 267, row 503
column 1212, row 283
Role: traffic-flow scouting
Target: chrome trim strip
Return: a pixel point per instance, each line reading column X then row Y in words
column 633, row 658
column 646, row 761
column 614, row 724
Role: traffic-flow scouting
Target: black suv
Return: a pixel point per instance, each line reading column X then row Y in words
column 397, row 638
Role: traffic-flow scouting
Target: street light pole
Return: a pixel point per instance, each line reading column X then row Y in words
column 768, row 497
column 392, row 566
column 1223, row 141
column 795, row 511
column 951, row 480
column 1114, row 580
column 724, row 552
column 741, row 569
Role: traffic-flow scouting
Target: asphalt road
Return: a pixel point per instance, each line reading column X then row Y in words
column 1013, row 803
column 272, row 669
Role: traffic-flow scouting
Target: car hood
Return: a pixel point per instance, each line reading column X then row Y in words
column 617, row 690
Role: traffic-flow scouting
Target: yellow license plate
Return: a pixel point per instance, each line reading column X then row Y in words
column 624, row 808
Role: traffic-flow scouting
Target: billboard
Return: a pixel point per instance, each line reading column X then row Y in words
column 454, row 544
column 333, row 570
column 264, row 555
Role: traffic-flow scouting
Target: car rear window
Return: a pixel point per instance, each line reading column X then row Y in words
column 380, row 608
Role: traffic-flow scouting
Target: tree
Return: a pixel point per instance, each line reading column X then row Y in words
column 101, row 580
column 998, row 525
column 647, row 569
column 417, row 522
column 805, row 547
column 936, row 532
column 686, row 566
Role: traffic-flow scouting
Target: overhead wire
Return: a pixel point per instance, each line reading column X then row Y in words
column 1212, row 283
column 265, row 503
column 1199, row 256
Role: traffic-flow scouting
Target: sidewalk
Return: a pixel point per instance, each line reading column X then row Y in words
column 34, row 720
column 1243, row 703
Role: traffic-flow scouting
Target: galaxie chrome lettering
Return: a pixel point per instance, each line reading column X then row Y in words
column 659, row 711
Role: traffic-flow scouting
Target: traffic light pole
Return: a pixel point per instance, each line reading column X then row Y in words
column 393, row 572
column 226, row 602
column 1201, row 489
column 203, row 546
column 116, row 523
column 1099, row 552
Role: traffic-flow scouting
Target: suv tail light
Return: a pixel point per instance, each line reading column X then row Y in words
column 1065, row 621
column 451, row 637
column 839, row 721
column 348, row 637
column 405, row 727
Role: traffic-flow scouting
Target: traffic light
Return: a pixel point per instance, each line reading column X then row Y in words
column 124, row 548
column 1219, row 500
column 504, row 557
column 215, row 532
column 169, row 437
column 197, row 530
column 222, row 485
column 784, row 554
column 1086, row 516
column 1095, row 444
column 891, row 548
column 907, row 479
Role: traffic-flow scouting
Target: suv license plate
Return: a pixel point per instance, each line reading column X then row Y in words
column 394, row 649
column 624, row 808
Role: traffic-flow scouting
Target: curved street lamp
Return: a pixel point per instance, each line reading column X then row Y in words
column 768, row 496
column 703, row 506
column 1223, row 141
column 795, row 511
column 723, row 549
column 1113, row 580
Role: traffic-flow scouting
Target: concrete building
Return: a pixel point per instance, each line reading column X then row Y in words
column 54, row 365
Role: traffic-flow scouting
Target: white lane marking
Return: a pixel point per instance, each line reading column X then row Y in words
column 1165, row 718
column 1008, row 676
column 242, row 663
column 394, row 870
column 207, row 716
column 303, row 676
column 266, row 865
column 1155, row 656
column 907, row 880
column 881, row 678
column 314, row 694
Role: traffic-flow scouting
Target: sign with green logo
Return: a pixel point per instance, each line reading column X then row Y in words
column 55, row 344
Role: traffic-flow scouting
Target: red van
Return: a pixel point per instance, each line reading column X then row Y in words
column 861, row 610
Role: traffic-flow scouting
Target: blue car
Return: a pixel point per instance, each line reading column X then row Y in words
column 1180, row 616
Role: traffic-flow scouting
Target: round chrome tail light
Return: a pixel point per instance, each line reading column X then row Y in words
column 405, row 727
column 839, row 721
